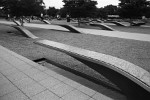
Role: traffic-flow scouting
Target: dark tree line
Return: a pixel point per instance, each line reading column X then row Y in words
column 134, row 8
column 125, row 9
column 52, row 11
column 107, row 10
column 77, row 8
column 80, row 8
column 22, row 7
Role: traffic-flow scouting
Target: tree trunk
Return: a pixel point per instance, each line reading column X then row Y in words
column 21, row 21
column 79, row 22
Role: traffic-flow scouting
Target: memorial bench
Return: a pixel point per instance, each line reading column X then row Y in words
column 132, row 23
column 71, row 28
column 102, row 26
column 25, row 32
column 84, row 22
column 46, row 21
column 137, row 23
column 119, row 23
column 132, row 80
column 17, row 22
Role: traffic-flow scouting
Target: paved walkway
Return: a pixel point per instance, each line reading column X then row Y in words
column 22, row 79
column 118, row 34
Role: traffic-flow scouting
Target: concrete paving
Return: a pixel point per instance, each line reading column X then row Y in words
column 23, row 79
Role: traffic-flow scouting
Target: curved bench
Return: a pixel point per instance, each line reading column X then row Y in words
column 132, row 23
column 46, row 22
column 133, row 81
column 137, row 23
column 97, row 20
column 17, row 22
column 25, row 32
column 103, row 26
column 71, row 28
column 119, row 23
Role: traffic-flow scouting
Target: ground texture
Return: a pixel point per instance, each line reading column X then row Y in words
column 136, row 52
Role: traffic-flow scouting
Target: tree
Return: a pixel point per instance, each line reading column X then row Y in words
column 101, row 13
column 107, row 10
column 1, row 1
column 52, row 11
column 80, row 8
column 147, row 14
column 22, row 7
column 62, row 12
column 111, row 10
column 132, row 8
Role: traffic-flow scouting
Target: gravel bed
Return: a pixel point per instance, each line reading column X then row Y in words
column 136, row 52
column 132, row 29
column 133, row 51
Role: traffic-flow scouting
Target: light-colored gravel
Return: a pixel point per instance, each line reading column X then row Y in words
column 136, row 52
column 133, row 51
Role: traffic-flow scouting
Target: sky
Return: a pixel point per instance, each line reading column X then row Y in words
column 59, row 4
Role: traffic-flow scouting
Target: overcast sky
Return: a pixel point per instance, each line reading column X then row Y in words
column 59, row 3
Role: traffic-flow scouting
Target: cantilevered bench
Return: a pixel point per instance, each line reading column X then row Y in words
column 17, row 22
column 102, row 26
column 25, row 32
column 46, row 21
column 71, row 28
column 119, row 23
column 137, row 23
column 132, row 80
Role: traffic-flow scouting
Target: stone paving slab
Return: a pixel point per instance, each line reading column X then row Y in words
column 21, row 84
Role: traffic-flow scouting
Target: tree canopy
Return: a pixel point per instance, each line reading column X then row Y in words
column 22, row 7
column 80, row 8
column 111, row 10
column 107, row 10
column 52, row 11
column 133, row 8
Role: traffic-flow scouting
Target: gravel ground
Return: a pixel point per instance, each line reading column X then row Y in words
column 133, row 51
column 13, row 40
column 132, row 29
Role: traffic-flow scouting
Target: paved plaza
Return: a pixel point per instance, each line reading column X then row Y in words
column 23, row 79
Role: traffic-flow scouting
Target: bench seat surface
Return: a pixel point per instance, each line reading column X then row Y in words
column 133, row 72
